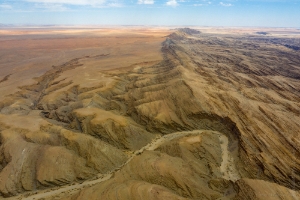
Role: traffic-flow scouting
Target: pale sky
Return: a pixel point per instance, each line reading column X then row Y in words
column 267, row 13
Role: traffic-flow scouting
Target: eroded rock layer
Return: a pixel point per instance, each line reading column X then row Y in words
column 218, row 117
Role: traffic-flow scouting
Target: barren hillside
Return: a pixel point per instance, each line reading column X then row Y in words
column 153, row 114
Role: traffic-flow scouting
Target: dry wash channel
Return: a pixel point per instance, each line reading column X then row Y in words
column 212, row 120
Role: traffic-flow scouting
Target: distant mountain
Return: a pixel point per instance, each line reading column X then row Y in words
column 262, row 33
column 189, row 31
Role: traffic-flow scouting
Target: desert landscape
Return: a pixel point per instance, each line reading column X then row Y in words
column 149, row 113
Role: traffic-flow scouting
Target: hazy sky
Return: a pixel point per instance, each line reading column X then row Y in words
column 271, row 13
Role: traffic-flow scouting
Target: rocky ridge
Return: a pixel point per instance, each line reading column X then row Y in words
column 241, row 93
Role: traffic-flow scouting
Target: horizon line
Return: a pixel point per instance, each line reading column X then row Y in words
column 29, row 25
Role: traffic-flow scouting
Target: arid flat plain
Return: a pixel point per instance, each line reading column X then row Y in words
column 149, row 113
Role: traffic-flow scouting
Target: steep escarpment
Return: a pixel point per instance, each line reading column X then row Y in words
column 196, row 89
column 216, row 117
column 253, row 99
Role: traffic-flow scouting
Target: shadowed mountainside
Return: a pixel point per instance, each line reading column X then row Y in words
column 217, row 118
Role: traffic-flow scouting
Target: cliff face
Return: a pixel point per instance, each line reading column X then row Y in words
column 218, row 117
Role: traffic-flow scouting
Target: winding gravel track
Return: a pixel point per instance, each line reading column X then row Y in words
column 227, row 166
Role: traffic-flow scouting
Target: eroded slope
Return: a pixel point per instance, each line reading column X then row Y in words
column 243, row 91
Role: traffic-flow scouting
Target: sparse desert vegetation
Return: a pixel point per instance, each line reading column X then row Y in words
column 149, row 113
